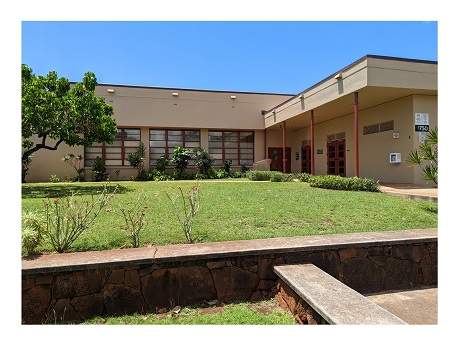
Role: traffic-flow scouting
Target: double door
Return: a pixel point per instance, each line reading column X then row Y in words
column 336, row 158
column 306, row 159
column 276, row 155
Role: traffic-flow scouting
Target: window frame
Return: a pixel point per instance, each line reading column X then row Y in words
column 104, row 146
column 223, row 147
column 167, row 146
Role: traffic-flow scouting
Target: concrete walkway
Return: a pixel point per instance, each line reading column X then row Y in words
column 416, row 307
column 410, row 191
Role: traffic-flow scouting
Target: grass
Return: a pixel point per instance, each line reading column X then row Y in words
column 238, row 211
column 267, row 312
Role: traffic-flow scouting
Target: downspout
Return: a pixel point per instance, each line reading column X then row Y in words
column 312, row 145
column 356, row 137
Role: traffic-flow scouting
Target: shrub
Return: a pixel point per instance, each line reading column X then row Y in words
column 67, row 218
column 261, row 175
column 180, row 158
column 227, row 168
column 32, row 230
column 161, row 164
column 99, row 170
column 203, row 161
column 134, row 217
column 276, row 177
column 54, row 179
column 344, row 183
column 244, row 169
column 302, row 177
column 75, row 162
column 426, row 156
column 186, row 209
column 136, row 159
column 237, row 174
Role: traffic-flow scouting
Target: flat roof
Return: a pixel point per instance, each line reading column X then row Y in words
column 365, row 57
column 198, row 90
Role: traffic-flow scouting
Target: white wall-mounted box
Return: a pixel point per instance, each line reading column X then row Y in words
column 395, row 157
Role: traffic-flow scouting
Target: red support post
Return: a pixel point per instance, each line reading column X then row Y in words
column 284, row 147
column 312, row 144
column 265, row 144
column 356, row 137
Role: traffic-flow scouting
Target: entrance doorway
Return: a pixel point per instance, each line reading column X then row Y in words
column 336, row 158
column 276, row 155
column 306, row 159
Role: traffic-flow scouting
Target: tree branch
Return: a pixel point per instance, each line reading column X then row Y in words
column 37, row 147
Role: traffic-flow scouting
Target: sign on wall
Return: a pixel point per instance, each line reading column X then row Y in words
column 422, row 122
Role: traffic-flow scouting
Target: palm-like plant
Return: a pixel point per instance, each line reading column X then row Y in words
column 426, row 156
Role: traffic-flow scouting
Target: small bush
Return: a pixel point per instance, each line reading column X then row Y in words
column 161, row 164
column 134, row 217
column 186, row 207
column 180, row 158
column 32, row 230
column 203, row 161
column 54, row 179
column 99, row 170
column 256, row 175
column 265, row 175
column 67, row 218
column 302, row 177
column 244, row 170
column 344, row 183
column 227, row 168
column 75, row 162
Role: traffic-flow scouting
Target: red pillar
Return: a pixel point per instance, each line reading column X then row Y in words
column 284, row 147
column 356, row 137
column 312, row 144
column 265, row 144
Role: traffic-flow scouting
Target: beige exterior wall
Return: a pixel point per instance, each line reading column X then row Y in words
column 46, row 163
column 152, row 107
column 146, row 108
column 428, row 105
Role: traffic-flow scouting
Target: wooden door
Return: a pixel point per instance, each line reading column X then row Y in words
column 276, row 155
column 306, row 159
column 336, row 158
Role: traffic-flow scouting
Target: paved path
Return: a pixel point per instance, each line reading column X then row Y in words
column 416, row 307
column 411, row 191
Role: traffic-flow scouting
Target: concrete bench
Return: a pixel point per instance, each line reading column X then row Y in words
column 335, row 302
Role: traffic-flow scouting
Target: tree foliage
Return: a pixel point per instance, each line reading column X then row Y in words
column 426, row 156
column 55, row 113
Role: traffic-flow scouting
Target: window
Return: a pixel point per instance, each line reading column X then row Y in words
column 337, row 136
column 380, row 127
column 126, row 141
column 237, row 147
column 163, row 142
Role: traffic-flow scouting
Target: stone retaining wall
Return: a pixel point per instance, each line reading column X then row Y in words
column 69, row 288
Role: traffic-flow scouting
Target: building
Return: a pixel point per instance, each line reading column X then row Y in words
column 362, row 121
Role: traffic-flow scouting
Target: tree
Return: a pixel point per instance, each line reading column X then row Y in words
column 426, row 156
column 53, row 111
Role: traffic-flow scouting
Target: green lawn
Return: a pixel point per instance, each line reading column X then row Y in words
column 239, row 210
column 267, row 312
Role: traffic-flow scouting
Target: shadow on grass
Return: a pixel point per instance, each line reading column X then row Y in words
column 63, row 190
column 432, row 208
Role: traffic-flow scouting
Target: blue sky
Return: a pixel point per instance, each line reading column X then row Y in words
column 255, row 56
